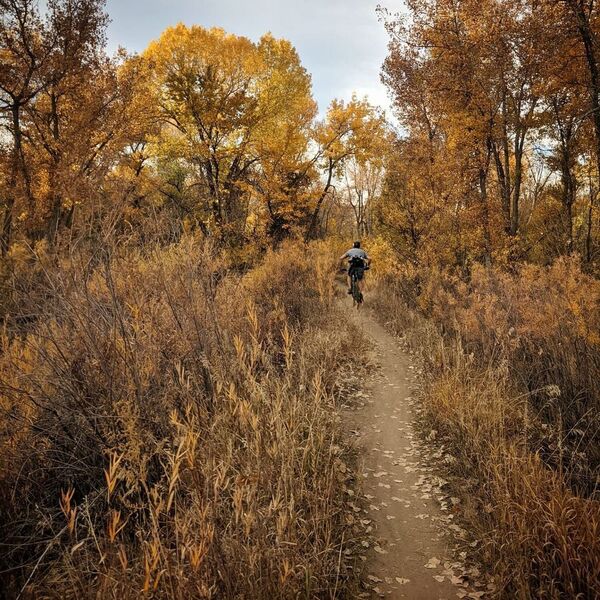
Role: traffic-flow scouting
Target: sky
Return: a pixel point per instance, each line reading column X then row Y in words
column 340, row 42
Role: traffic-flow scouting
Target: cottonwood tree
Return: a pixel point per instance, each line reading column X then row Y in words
column 25, row 50
column 484, row 91
column 356, row 131
column 70, row 112
column 238, row 114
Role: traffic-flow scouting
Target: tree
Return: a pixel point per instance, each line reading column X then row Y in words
column 353, row 130
column 70, row 112
column 25, row 50
column 238, row 114
column 486, row 92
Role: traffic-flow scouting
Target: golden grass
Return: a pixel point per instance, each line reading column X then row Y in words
column 506, row 455
column 168, row 429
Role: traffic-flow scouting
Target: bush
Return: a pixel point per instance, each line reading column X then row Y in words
column 168, row 429
column 543, row 323
column 512, row 392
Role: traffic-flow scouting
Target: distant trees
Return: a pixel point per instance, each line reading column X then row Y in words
column 68, row 111
column 240, row 118
column 488, row 93
column 237, row 115
column 205, row 129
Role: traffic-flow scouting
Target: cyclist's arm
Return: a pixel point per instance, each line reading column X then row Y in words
column 345, row 255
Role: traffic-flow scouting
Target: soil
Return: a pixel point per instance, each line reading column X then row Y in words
column 408, row 556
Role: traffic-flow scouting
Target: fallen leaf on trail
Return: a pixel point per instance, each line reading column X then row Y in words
column 402, row 580
column 390, row 517
column 380, row 550
column 380, row 474
column 433, row 563
column 456, row 580
column 461, row 593
column 374, row 579
column 439, row 578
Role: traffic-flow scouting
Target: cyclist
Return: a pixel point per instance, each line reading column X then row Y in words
column 358, row 262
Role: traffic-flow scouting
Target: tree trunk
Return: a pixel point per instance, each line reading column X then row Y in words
column 7, row 217
column 483, row 196
column 568, row 195
column 315, row 215
column 55, row 197
column 590, row 216
column 504, row 188
column 506, row 199
column 516, row 193
column 587, row 37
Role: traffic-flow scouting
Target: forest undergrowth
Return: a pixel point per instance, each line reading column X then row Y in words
column 511, row 398
column 169, row 428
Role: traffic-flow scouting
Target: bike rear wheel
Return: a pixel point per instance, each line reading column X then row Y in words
column 357, row 296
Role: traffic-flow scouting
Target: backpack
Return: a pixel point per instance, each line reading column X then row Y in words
column 356, row 262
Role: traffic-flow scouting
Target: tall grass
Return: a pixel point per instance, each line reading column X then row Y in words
column 168, row 429
column 512, row 363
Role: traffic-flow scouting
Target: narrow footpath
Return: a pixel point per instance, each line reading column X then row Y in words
column 408, row 557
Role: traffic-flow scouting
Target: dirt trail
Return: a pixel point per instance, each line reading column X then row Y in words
column 408, row 558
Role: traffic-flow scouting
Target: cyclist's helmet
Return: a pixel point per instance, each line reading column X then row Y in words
column 356, row 244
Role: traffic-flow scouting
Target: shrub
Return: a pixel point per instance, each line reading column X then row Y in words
column 168, row 430
column 513, row 365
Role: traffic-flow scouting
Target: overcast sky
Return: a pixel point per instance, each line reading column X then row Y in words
column 340, row 42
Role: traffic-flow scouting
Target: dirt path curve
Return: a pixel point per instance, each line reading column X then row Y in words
column 408, row 558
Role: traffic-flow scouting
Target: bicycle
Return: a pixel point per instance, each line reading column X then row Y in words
column 357, row 297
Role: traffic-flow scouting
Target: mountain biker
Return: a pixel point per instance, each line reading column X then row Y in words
column 358, row 262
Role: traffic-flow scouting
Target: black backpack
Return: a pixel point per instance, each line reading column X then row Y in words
column 357, row 263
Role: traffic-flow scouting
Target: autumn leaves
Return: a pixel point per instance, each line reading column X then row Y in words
column 497, row 100
column 205, row 130
column 238, row 117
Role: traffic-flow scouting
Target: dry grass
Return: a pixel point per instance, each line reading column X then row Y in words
column 169, row 430
column 523, row 474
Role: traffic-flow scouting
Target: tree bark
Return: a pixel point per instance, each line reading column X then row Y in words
column 7, row 217
column 483, row 197
column 587, row 37
column 315, row 215
column 590, row 216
